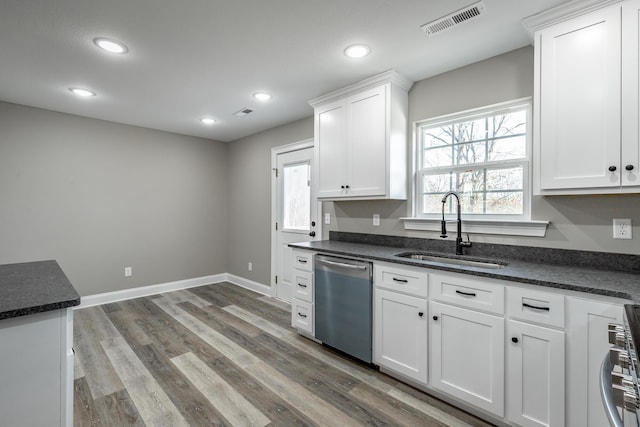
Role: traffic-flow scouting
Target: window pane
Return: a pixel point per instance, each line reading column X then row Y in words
column 474, row 130
column 505, row 179
column 436, row 183
column 435, row 157
column 296, row 195
column 471, row 190
column 432, row 204
column 505, row 203
column 514, row 123
column 437, row 137
column 507, row 148
column 467, row 154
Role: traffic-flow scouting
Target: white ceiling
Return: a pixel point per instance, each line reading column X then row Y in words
column 192, row 58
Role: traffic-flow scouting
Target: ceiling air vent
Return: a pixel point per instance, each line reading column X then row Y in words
column 446, row 22
column 243, row 112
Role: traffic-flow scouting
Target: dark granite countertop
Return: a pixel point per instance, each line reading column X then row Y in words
column 572, row 275
column 34, row 287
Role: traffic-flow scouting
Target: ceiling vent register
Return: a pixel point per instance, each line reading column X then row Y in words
column 243, row 112
column 449, row 21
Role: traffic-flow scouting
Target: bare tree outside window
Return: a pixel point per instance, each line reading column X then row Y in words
column 483, row 158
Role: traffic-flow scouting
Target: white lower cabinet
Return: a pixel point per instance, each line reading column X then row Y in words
column 400, row 341
column 36, row 376
column 302, row 303
column 467, row 356
column 536, row 375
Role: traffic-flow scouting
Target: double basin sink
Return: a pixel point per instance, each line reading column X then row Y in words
column 453, row 260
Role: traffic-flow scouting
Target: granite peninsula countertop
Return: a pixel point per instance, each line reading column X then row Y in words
column 34, row 287
column 572, row 276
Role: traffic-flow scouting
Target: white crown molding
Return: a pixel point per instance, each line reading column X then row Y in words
column 561, row 13
column 390, row 76
column 483, row 226
column 144, row 291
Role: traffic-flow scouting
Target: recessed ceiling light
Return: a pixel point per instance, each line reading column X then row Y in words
column 82, row 92
column 262, row 96
column 357, row 51
column 207, row 121
column 110, row 45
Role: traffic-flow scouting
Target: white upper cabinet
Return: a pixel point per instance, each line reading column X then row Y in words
column 361, row 140
column 586, row 104
column 631, row 92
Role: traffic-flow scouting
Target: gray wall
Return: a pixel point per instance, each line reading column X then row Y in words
column 250, row 198
column 98, row 196
column 577, row 222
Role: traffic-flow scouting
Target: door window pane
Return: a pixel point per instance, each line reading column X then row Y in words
column 296, row 197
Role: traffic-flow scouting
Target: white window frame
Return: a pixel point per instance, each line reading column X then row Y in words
column 519, row 224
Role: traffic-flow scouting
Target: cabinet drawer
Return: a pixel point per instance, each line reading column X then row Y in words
column 302, row 260
column 303, row 285
column 466, row 292
column 408, row 280
column 534, row 306
column 302, row 315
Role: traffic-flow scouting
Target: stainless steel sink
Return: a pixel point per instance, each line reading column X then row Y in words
column 443, row 259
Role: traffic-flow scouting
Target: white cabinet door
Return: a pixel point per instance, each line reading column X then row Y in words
column 467, row 356
column 587, row 345
column 368, row 130
column 331, row 149
column 630, row 93
column 400, row 333
column 535, row 382
column 578, row 102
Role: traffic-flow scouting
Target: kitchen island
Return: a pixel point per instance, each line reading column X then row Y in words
column 36, row 337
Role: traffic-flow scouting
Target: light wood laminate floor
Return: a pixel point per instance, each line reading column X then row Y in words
column 221, row 355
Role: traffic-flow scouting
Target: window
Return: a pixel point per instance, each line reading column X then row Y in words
column 483, row 155
column 297, row 197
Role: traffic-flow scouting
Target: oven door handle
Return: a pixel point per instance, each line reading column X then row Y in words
column 606, row 391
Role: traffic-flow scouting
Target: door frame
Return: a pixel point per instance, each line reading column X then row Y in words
column 275, row 151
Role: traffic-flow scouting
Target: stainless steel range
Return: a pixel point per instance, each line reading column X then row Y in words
column 620, row 370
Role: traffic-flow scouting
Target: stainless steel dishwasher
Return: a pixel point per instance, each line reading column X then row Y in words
column 343, row 305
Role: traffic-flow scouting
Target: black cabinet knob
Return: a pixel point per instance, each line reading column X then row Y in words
column 514, row 340
column 312, row 234
column 612, row 168
column 342, row 186
column 420, row 314
column 435, row 317
column 313, row 223
column 629, row 167
column 346, row 186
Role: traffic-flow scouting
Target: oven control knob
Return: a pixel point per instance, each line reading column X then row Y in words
column 630, row 399
column 619, row 357
column 621, row 339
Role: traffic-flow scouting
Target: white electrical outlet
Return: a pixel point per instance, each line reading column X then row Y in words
column 250, row 266
column 128, row 272
column 376, row 219
column 622, row 228
column 327, row 218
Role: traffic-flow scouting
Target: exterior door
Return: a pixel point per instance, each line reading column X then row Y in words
column 295, row 213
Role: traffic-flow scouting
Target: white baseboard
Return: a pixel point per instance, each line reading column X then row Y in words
column 250, row 284
column 145, row 291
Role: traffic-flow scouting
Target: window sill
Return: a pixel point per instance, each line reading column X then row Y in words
column 507, row 227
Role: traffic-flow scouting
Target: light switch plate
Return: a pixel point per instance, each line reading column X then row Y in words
column 327, row 218
column 376, row 219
